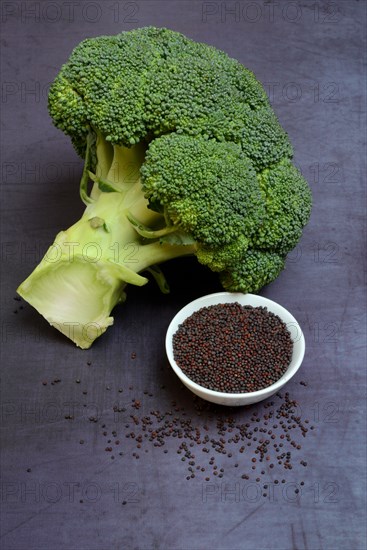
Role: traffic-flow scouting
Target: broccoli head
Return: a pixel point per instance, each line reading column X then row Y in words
column 185, row 156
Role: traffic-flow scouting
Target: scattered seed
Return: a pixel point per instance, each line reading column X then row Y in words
column 270, row 436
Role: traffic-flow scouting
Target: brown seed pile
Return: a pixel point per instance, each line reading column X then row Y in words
column 232, row 348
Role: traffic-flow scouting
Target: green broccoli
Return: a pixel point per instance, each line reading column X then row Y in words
column 185, row 157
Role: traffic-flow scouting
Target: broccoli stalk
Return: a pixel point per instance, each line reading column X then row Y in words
column 85, row 271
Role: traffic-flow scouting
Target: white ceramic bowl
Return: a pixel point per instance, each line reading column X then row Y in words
column 238, row 399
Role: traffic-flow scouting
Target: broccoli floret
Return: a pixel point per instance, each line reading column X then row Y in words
column 185, row 156
column 257, row 268
column 148, row 82
column 263, row 139
column 207, row 188
column 287, row 200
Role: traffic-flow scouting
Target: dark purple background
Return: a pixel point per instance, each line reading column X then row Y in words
column 310, row 56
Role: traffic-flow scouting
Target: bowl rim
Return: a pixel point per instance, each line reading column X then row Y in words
column 220, row 297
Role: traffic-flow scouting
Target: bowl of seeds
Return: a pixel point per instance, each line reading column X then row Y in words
column 234, row 349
